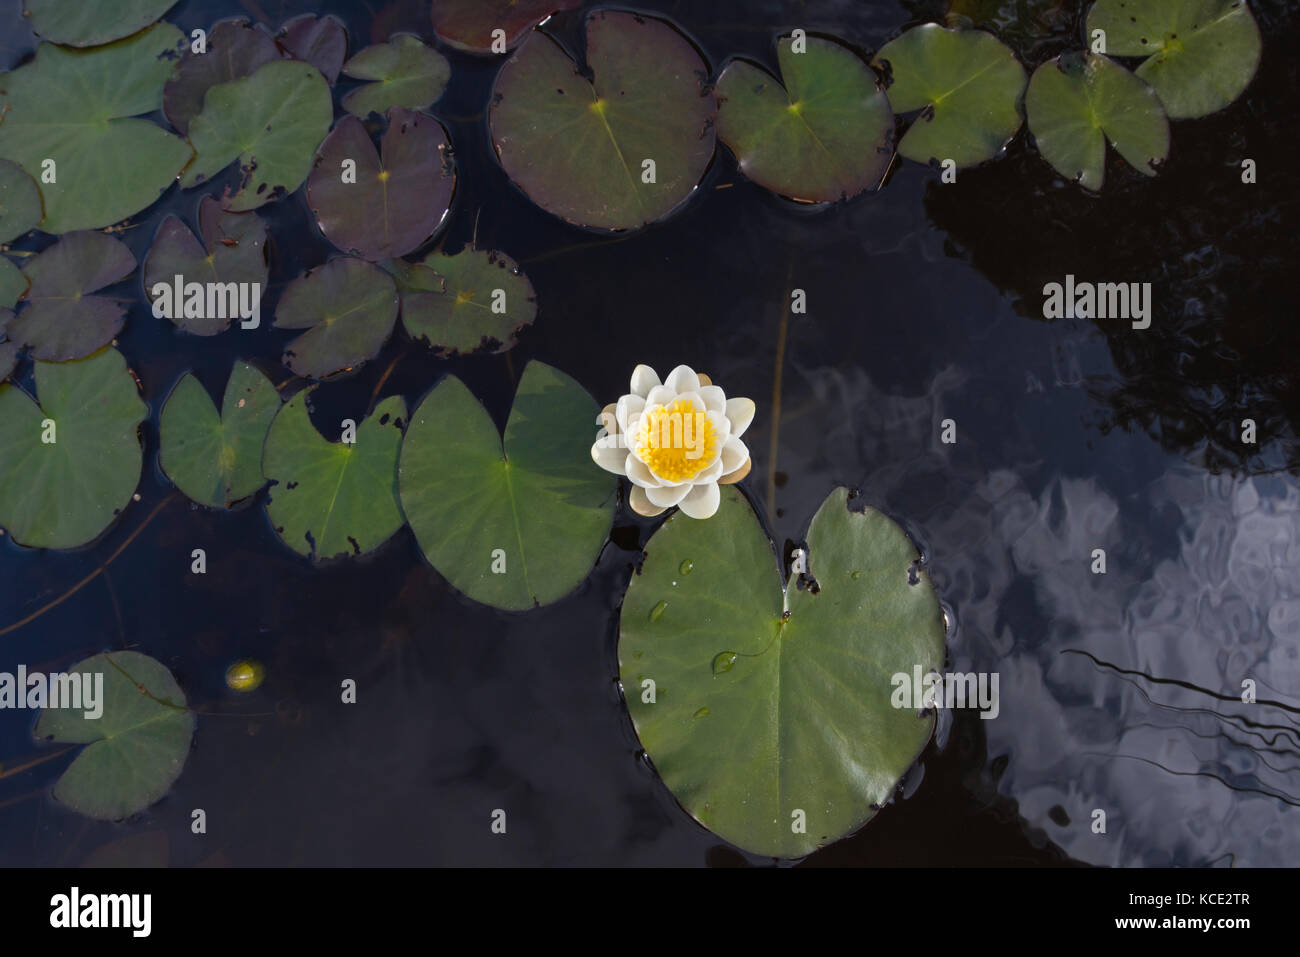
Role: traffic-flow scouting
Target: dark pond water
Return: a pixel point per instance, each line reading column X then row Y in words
column 1118, row 691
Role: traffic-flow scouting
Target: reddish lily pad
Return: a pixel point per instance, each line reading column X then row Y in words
column 407, row 73
column 63, row 320
column 232, row 249
column 320, row 41
column 234, row 49
column 468, row 24
column 396, row 202
column 347, row 306
column 621, row 150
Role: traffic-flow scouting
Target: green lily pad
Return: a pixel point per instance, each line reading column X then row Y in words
column 135, row 750
column 270, row 122
column 79, row 108
column 320, row 41
column 392, row 205
column 769, row 699
column 1076, row 103
column 1201, row 54
column 80, row 23
column 63, row 320
column 468, row 24
column 64, row 493
column 234, row 50
column 968, row 85
column 216, row 457
column 515, row 525
column 347, row 306
column 333, row 498
column 20, row 202
column 12, row 283
column 466, row 302
column 409, row 74
column 232, row 249
column 583, row 150
column 8, row 350
column 826, row 136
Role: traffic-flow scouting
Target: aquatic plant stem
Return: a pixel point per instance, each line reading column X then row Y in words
column 777, row 372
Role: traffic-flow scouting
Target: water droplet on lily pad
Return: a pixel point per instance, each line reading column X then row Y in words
column 703, row 712
column 658, row 610
column 724, row 661
column 686, row 567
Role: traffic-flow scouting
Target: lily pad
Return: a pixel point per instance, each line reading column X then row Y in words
column 234, row 50
column 618, row 151
column 320, row 41
column 827, row 135
column 468, row 24
column 772, row 699
column 8, row 350
column 1201, row 54
column 347, row 306
column 466, row 302
column 393, row 204
column 12, row 283
column 20, row 202
column 135, row 750
column 216, row 457
column 80, row 109
column 409, row 74
column 515, row 525
column 80, row 23
column 334, row 498
column 63, row 320
column 232, row 249
column 1076, row 103
column 270, row 122
column 64, row 493
column 967, row 85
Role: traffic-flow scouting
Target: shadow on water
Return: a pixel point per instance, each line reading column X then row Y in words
column 924, row 304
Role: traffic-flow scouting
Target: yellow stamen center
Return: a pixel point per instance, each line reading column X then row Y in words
column 676, row 442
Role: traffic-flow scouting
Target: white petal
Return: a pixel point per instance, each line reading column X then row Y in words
column 710, row 474
column 715, row 400
column 633, row 426
column 659, row 395
column 641, row 504
column 667, row 497
column 695, row 399
column 703, row 500
column 639, row 472
column 610, row 459
column 626, row 406
column 734, row 454
column 683, row 379
column 643, row 380
column 721, row 428
column 741, row 413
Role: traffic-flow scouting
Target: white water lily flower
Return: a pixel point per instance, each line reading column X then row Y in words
column 677, row 440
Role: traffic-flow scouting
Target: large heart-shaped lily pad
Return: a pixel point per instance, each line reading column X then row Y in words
column 271, row 122
column 407, row 73
column 1076, row 103
column 234, row 50
column 216, row 457
column 967, row 85
column 135, row 749
column 71, row 463
column 772, row 705
column 511, row 526
column 76, row 108
column 827, row 135
column 62, row 319
column 349, row 308
column 466, row 302
column 232, row 250
column 470, row 24
column 1201, row 54
column 20, row 202
column 320, row 41
column 382, row 208
column 85, row 23
column 618, row 151
column 334, row 498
